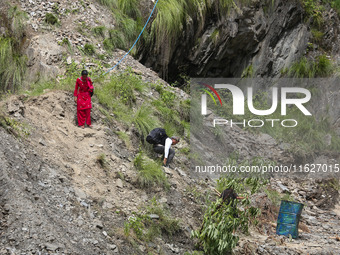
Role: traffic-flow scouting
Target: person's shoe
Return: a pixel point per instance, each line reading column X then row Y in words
column 89, row 126
column 82, row 126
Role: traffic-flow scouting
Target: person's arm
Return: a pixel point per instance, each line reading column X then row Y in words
column 91, row 88
column 75, row 94
column 167, row 146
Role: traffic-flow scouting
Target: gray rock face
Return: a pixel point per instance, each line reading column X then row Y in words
column 15, row 107
column 268, row 37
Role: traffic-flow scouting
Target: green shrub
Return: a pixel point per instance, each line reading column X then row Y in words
column 51, row 19
column 314, row 10
column 317, row 35
column 130, row 8
column 221, row 220
column 123, row 87
column 134, row 223
column 215, row 36
column 170, row 117
column 129, row 24
column 12, row 65
column 275, row 197
column 101, row 159
column 12, row 62
column 18, row 22
column 302, row 69
column 144, row 121
column 109, row 3
column 248, row 72
column 115, row 40
column 65, row 41
column 14, row 127
column 321, row 67
column 145, row 228
column 39, row 87
column 125, row 137
column 185, row 109
column 324, row 66
column 336, row 5
column 165, row 223
column 150, row 173
column 89, row 49
column 167, row 27
column 99, row 31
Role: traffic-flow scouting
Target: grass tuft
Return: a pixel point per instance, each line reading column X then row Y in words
column 12, row 65
column 321, row 67
column 101, row 159
column 89, row 49
column 144, row 121
column 99, row 31
column 18, row 24
column 109, row 3
column 129, row 7
column 115, row 40
column 51, row 19
column 147, row 229
column 150, row 173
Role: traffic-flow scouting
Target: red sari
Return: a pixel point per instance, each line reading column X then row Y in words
column 84, row 104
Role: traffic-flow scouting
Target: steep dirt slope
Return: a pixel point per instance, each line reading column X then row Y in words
column 55, row 197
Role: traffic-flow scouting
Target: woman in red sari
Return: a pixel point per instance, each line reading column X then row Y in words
column 82, row 96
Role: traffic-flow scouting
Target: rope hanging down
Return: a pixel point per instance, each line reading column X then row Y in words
column 135, row 41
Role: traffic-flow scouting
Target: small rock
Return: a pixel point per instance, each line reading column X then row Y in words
column 181, row 172
column 42, row 142
column 62, row 131
column 167, row 171
column 153, row 216
column 282, row 187
column 84, row 204
column 163, row 200
column 93, row 8
column 15, row 106
column 79, row 193
column 107, row 205
column 119, row 183
column 112, row 246
column 326, row 227
column 98, row 224
column 51, row 246
column 69, row 60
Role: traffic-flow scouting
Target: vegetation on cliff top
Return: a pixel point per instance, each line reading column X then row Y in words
column 12, row 62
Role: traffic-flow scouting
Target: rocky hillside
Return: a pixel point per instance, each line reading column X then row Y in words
column 71, row 191
column 101, row 190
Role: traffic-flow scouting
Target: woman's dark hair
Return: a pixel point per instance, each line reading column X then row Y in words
column 84, row 72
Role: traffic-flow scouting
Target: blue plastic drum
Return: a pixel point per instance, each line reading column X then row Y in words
column 288, row 219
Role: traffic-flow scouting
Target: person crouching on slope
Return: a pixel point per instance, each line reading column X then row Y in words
column 166, row 149
column 82, row 96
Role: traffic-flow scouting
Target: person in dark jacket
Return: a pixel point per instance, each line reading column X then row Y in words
column 165, row 148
